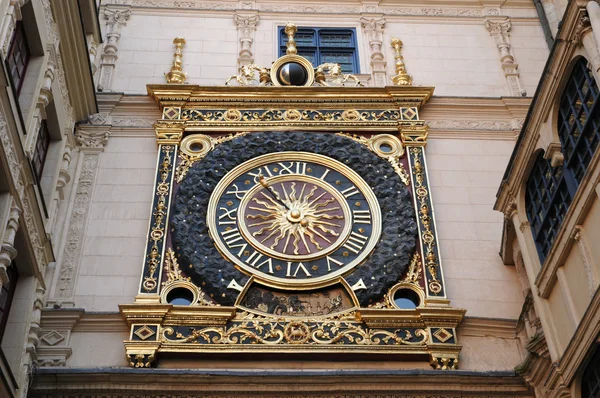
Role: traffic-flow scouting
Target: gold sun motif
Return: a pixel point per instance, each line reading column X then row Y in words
column 298, row 218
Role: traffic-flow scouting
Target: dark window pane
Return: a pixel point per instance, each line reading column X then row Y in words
column 579, row 118
column 41, row 150
column 18, row 56
column 547, row 201
column 590, row 386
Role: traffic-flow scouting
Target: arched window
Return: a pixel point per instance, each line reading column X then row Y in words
column 579, row 120
column 590, row 384
column 547, row 200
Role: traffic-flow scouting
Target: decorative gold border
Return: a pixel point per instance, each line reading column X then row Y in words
column 322, row 281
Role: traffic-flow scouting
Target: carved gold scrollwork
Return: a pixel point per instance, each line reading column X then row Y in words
column 273, row 331
column 157, row 231
column 427, row 235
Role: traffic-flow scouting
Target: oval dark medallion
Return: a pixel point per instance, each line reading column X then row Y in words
column 292, row 74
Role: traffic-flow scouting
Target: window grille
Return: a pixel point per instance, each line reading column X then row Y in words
column 322, row 45
column 18, row 56
column 547, row 201
column 579, row 120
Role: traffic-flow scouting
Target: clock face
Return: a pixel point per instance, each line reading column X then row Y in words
column 293, row 211
column 294, row 218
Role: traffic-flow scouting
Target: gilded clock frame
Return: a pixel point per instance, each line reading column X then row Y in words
column 194, row 114
column 314, row 283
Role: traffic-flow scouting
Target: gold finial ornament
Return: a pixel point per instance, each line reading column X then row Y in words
column 401, row 78
column 176, row 74
column 290, row 31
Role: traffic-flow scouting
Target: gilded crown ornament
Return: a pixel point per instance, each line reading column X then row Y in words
column 401, row 78
column 176, row 74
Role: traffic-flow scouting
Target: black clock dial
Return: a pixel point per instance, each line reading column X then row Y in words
column 217, row 270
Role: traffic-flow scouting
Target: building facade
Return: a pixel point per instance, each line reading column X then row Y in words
column 140, row 137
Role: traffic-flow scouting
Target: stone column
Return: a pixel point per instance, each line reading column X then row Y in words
column 528, row 250
column 593, row 11
column 45, row 96
column 33, row 339
column 92, row 140
column 93, row 52
column 500, row 31
column 246, row 26
column 7, row 250
column 116, row 19
column 585, row 36
column 373, row 28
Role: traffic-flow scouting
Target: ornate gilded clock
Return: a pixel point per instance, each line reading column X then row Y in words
column 293, row 212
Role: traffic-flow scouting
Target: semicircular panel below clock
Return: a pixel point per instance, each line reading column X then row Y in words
column 297, row 212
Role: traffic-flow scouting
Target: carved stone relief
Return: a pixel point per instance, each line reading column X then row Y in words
column 246, row 26
column 13, row 13
column 373, row 29
column 91, row 143
column 500, row 31
column 116, row 19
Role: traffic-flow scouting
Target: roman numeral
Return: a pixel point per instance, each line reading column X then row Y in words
column 350, row 191
column 232, row 236
column 324, row 174
column 356, row 242
column 227, row 215
column 333, row 261
column 259, row 172
column 299, row 267
column 237, row 192
column 254, row 258
column 361, row 216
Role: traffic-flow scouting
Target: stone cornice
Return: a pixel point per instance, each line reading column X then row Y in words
column 445, row 9
column 488, row 327
column 447, row 117
column 96, row 382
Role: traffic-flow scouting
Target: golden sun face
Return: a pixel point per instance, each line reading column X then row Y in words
column 295, row 217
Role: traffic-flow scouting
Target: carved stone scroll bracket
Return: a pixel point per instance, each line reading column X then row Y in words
column 91, row 140
column 7, row 249
column 55, row 338
column 499, row 29
column 246, row 27
column 373, row 28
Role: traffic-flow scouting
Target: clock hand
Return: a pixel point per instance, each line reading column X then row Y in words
column 273, row 192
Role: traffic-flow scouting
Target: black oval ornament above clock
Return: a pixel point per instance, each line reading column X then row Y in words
column 201, row 260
